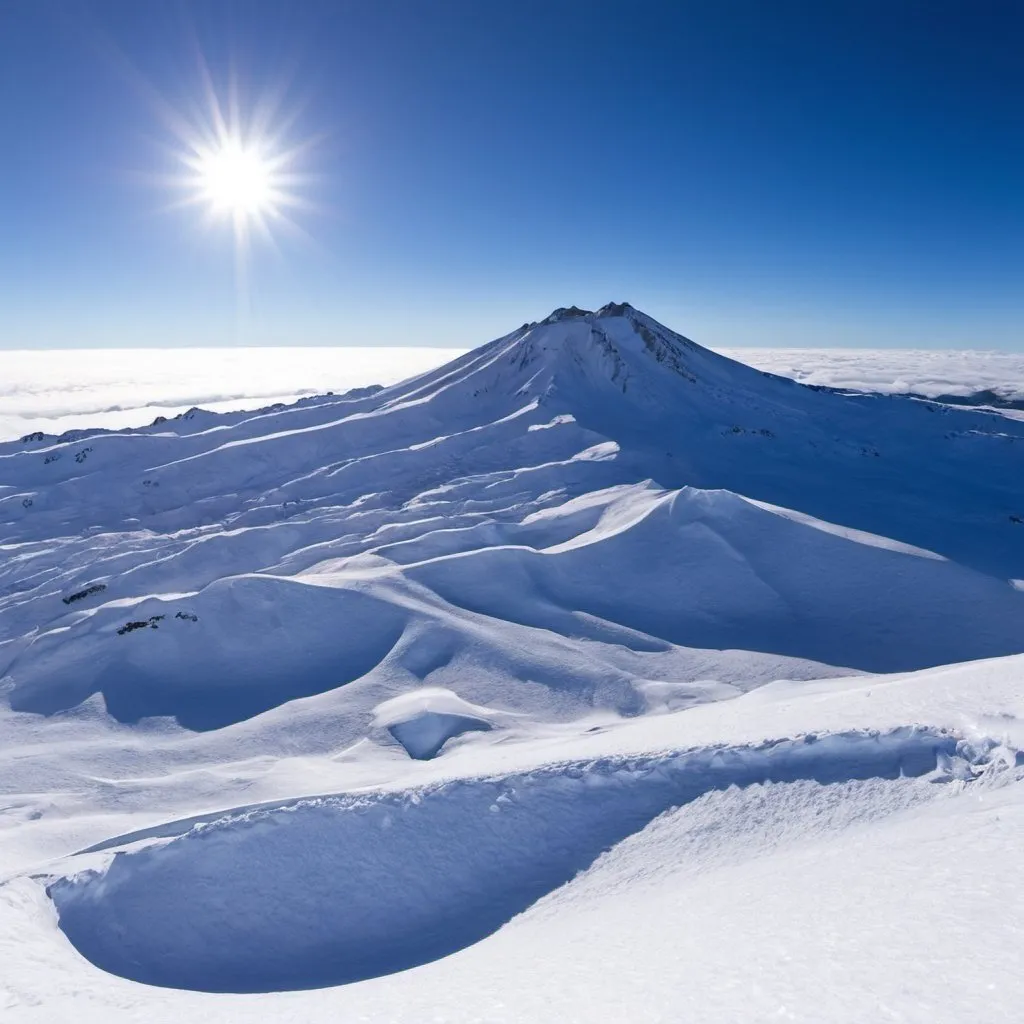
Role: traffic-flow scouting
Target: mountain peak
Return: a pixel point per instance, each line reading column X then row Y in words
column 615, row 309
column 564, row 313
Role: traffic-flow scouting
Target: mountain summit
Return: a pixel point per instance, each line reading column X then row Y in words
column 579, row 353
column 574, row 312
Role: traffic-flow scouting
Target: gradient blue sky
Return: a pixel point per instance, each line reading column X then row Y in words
column 776, row 173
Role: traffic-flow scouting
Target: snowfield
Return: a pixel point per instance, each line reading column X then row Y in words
column 590, row 676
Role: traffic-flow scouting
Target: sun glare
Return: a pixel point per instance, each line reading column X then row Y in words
column 238, row 163
column 236, row 180
column 241, row 180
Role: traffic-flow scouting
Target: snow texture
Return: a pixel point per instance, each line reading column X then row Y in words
column 188, row 915
column 594, row 675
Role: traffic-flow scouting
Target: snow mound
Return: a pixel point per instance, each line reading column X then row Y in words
column 241, row 646
column 337, row 890
column 238, row 562
column 526, row 600
column 423, row 720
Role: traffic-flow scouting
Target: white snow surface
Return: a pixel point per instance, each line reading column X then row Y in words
column 591, row 676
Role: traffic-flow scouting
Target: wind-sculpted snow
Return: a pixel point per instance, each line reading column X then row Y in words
column 622, row 866
column 424, row 720
column 583, row 485
column 336, row 890
column 325, row 691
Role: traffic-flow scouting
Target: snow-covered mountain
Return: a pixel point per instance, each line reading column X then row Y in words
column 536, row 553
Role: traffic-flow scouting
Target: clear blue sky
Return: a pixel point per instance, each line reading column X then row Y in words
column 748, row 172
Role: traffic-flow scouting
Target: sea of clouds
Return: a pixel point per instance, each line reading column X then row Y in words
column 929, row 372
column 57, row 390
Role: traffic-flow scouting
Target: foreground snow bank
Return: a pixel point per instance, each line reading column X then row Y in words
column 822, row 875
column 337, row 890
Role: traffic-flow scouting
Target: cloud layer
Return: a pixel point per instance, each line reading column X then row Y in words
column 61, row 390
column 930, row 372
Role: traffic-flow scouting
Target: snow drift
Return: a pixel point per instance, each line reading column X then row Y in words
column 332, row 891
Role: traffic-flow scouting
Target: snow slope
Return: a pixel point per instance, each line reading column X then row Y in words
column 325, row 692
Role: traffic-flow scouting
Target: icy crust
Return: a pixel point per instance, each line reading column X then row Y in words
column 336, row 890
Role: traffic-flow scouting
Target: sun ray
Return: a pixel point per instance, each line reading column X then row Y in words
column 240, row 165
column 234, row 158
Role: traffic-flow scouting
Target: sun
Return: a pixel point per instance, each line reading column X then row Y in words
column 236, row 165
column 244, row 180
column 236, row 159
column 237, row 180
